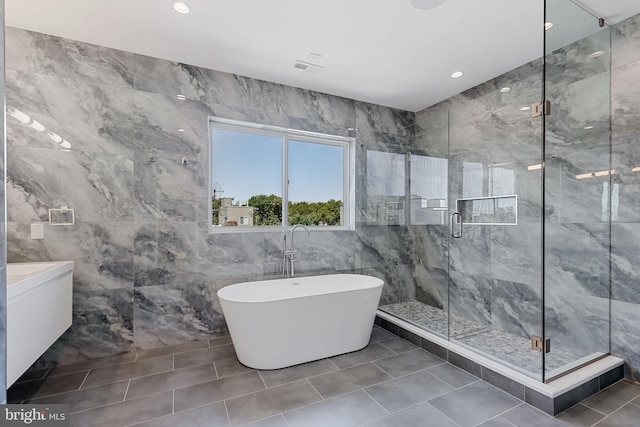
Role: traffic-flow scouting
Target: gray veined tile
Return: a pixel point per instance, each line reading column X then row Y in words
column 272, row 401
column 347, row 410
column 408, row 390
column 348, row 380
column 217, row 390
column 480, row 401
column 152, row 384
column 407, row 363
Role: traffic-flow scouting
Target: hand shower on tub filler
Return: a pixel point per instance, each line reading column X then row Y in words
column 289, row 255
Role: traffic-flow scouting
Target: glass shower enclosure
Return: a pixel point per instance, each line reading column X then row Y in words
column 506, row 196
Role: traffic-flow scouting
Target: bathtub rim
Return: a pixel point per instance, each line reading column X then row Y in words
column 376, row 283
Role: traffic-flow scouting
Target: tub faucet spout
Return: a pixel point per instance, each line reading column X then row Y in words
column 289, row 256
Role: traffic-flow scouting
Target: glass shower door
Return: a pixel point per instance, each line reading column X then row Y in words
column 581, row 189
column 495, row 169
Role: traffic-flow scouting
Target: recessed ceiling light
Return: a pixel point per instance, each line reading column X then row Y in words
column 596, row 54
column 180, row 7
column 505, row 89
column 457, row 75
column 426, row 4
column 181, row 97
column 525, row 108
column 548, row 25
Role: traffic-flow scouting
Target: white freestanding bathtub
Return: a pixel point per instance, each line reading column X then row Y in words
column 284, row 322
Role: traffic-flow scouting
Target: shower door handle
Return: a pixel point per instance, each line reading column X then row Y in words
column 456, row 220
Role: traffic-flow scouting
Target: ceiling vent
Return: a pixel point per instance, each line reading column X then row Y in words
column 308, row 66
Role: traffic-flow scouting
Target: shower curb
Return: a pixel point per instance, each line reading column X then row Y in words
column 552, row 398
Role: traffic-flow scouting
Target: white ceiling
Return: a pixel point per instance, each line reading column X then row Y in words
column 379, row 51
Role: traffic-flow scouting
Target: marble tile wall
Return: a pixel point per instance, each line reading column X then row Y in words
column 3, row 222
column 490, row 144
column 625, row 230
column 504, row 288
column 146, row 271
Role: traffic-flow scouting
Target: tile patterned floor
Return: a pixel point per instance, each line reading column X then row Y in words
column 389, row 383
column 511, row 349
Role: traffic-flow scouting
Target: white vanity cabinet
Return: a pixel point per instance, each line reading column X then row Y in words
column 39, row 311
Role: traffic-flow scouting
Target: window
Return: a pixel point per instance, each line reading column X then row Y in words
column 262, row 174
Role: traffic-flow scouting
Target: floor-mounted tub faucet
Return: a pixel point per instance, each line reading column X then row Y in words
column 289, row 256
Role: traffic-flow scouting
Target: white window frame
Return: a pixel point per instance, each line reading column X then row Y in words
column 348, row 168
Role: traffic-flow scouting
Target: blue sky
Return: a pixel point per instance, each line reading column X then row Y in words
column 246, row 164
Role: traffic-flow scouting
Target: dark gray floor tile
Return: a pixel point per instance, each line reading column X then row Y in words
column 179, row 378
column 277, row 421
column 180, row 348
column 372, row 352
column 270, row 402
column 526, row 415
column 407, row 363
column 231, row 366
column 579, row 415
column 481, row 401
column 203, row 356
column 612, row 398
column 452, row 375
column 344, row 411
column 286, row 375
column 348, row 380
column 213, row 342
column 214, row 415
column 125, row 413
column 380, row 334
column 217, row 390
column 512, row 387
column 125, row 371
column 420, row 415
column 398, row 345
column 81, row 400
column 500, row 422
column 50, row 385
column 627, row 416
column 94, row 364
column 33, row 375
column 406, row 391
